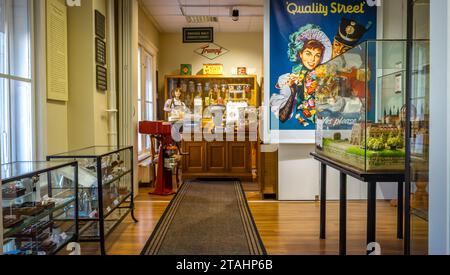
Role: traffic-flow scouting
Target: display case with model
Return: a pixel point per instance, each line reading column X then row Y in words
column 105, row 189
column 360, row 107
column 220, row 126
column 38, row 205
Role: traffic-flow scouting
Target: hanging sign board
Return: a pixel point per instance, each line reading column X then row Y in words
column 211, row 51
column 198, row 35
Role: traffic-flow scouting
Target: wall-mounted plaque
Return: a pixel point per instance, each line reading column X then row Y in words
column 101, row 78
column 198, row 35
column 100, row 28
column 100, row 51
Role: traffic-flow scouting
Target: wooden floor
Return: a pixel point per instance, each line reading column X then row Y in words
column 286, row 228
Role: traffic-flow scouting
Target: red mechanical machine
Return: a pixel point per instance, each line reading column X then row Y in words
column 162, row 131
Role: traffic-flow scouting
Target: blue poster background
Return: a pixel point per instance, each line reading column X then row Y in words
column 283, row 24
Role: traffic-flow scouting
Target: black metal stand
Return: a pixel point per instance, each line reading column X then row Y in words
column 122, row 204
column 372, row 178
column 408, row 129
column 323, row 199
column 342, row 214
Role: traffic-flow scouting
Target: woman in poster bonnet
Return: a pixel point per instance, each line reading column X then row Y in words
column 308, row 48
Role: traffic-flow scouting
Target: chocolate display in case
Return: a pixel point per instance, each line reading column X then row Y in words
column 103, row 171
column 11, row 220
column 13, row 192
column 32, row 211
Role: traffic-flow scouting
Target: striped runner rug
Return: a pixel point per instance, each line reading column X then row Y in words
column 206, row 218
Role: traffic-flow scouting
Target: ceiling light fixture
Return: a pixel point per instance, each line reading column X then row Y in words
column 235, row 14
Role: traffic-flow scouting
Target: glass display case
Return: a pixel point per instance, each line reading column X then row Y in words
column 105, row 189
column 38, row 202
column 360, row 107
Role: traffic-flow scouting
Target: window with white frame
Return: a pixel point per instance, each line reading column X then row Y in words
column 146, row 72
column 16, row 94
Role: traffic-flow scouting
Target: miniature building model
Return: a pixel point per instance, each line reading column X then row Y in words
column 374, row 130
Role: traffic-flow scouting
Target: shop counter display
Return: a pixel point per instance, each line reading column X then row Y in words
column 105, row 189
column 219, row 119
column 38, row 202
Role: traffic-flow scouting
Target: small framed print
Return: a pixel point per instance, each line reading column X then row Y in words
column 100, row 51
column 101, row 78
column 100, row 28
column 186, row 69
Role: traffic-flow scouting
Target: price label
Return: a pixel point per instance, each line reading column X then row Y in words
column 93, row 214
column 116, row 202
column 108, row 209
column 63, row 235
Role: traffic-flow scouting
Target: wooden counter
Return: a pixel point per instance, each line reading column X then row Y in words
column 221, row 159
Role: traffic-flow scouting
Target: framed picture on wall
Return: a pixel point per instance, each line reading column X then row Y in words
column 100, row 26
column 100, row 51
column 101, row 78
column 290, row 72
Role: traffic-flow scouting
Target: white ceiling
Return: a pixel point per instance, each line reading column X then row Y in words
column 167, row 14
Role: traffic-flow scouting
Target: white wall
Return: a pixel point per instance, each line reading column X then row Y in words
column 439, row 188
column 86, row 111
column 246, row 50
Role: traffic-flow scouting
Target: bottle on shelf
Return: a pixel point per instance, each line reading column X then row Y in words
column 214, row 94
column 198, row 101
column 247, row 95
column 190, row 94
column 222, row 94
column 226, row 92
column 206, row 93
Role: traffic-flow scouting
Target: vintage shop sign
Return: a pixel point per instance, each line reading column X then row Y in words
column 212, row 69
column 198, row 35
column 294, row 8
column 211, row 51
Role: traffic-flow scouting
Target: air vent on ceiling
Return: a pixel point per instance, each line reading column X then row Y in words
column 201, row 19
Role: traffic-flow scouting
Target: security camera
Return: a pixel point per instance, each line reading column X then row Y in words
column 235, row 14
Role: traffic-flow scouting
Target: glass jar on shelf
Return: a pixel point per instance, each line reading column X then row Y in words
column 198, row 101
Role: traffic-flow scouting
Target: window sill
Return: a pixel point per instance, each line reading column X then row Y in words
column 143, row 156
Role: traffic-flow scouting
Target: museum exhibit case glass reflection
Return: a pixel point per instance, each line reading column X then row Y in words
column 419, row 163
column 420, row 126
column 360, row 107
column 105, row 189
column 38, row 204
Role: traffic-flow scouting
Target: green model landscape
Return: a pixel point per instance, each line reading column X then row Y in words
column 380, row 155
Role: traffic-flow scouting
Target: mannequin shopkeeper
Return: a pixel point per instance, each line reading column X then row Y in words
column 175, row 102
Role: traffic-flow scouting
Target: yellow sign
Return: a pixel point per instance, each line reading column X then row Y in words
column 212, row 69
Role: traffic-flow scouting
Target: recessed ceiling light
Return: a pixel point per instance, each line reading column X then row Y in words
column 201, row 19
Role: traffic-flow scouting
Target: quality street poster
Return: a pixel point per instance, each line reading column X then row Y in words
column 303, row 35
